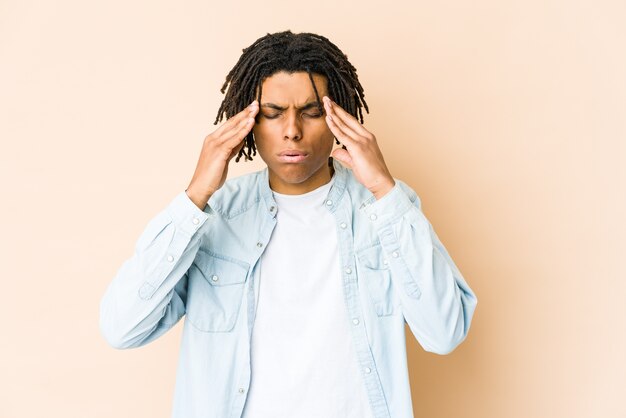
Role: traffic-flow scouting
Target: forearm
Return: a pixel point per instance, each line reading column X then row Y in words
column 436, row 301
column 147, row 295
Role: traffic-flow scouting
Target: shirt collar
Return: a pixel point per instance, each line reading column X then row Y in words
column 332, row 199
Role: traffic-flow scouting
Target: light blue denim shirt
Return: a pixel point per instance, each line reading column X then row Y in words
column 204, row 263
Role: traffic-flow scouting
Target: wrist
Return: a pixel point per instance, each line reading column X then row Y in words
column 384, row 188
column 199, row 199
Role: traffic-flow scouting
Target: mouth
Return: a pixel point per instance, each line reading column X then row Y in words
column 292, row 156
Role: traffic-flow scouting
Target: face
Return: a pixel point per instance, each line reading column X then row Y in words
column 291, row 134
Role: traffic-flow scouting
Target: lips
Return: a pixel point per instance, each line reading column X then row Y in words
column 292, row 156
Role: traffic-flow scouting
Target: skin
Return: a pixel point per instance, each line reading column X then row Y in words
column 295, row 128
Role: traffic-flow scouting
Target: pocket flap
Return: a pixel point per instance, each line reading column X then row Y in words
column 220, row 270
column 373, row 258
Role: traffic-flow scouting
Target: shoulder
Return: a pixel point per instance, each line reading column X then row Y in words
column 237, row 194
column 359, row 193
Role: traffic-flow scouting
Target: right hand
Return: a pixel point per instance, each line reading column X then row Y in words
column 218, row 149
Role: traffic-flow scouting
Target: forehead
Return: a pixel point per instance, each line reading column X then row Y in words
column 283, row 88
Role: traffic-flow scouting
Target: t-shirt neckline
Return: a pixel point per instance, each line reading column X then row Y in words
column 312, row 193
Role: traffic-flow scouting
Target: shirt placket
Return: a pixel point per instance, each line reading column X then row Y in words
column 365, row 358
column 260, row 243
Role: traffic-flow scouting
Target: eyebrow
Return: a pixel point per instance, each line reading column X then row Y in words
column 306, row 106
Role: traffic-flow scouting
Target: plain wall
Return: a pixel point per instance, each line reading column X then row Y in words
column 508, row 118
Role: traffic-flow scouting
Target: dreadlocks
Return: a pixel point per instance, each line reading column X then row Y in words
column 289, row 52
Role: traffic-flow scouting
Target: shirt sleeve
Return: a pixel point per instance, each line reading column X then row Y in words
column 147, row 295
column 437, row 303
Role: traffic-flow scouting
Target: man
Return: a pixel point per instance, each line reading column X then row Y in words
column 296, row 280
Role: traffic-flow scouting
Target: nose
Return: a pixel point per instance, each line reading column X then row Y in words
column 293, row 128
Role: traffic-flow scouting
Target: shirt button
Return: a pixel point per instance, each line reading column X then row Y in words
column 241, row 390
column 355, row 321
column 170, row 258
column 348, row 270
column 395, row 254
column 272, row 208
column 259, row 244
column 214, row 278
column 195, row 221
column 343, row 225
column 368, row 370
column 373, row 216
column 329, row 202
column 385, row 262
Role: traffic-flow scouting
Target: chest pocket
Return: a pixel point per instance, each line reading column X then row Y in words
column 215, row 291
column 374, row 272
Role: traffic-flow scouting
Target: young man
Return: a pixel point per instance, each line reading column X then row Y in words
column 297, row 280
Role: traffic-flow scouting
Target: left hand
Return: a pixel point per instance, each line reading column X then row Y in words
column 362, row 154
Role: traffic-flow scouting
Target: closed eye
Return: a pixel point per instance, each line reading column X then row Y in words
column 310, row 115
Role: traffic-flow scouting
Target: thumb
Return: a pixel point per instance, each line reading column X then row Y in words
column 236, row 150
column 343, row 156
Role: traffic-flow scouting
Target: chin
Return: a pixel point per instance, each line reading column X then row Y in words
column 293, row 177
column 294, row 173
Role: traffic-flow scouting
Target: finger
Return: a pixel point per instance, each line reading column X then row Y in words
column 249, row 111
column 238, row 122
column 340, row 123
column 343, row 157
column 239, row 132
column 342, row 136
column 346, row 117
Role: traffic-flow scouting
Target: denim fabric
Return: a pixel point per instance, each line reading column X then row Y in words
column 203, row 264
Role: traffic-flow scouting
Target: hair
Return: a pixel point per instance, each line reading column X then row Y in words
column 289, row 52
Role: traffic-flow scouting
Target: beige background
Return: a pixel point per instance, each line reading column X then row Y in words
column 507, row 117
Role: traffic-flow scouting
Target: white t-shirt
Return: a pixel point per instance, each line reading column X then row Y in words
column 303, row 360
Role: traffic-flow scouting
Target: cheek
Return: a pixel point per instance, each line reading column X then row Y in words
column 328, row 139
column 260, row 135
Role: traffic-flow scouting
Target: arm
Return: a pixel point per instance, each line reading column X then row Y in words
column 437, row 303
column 148, row 294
